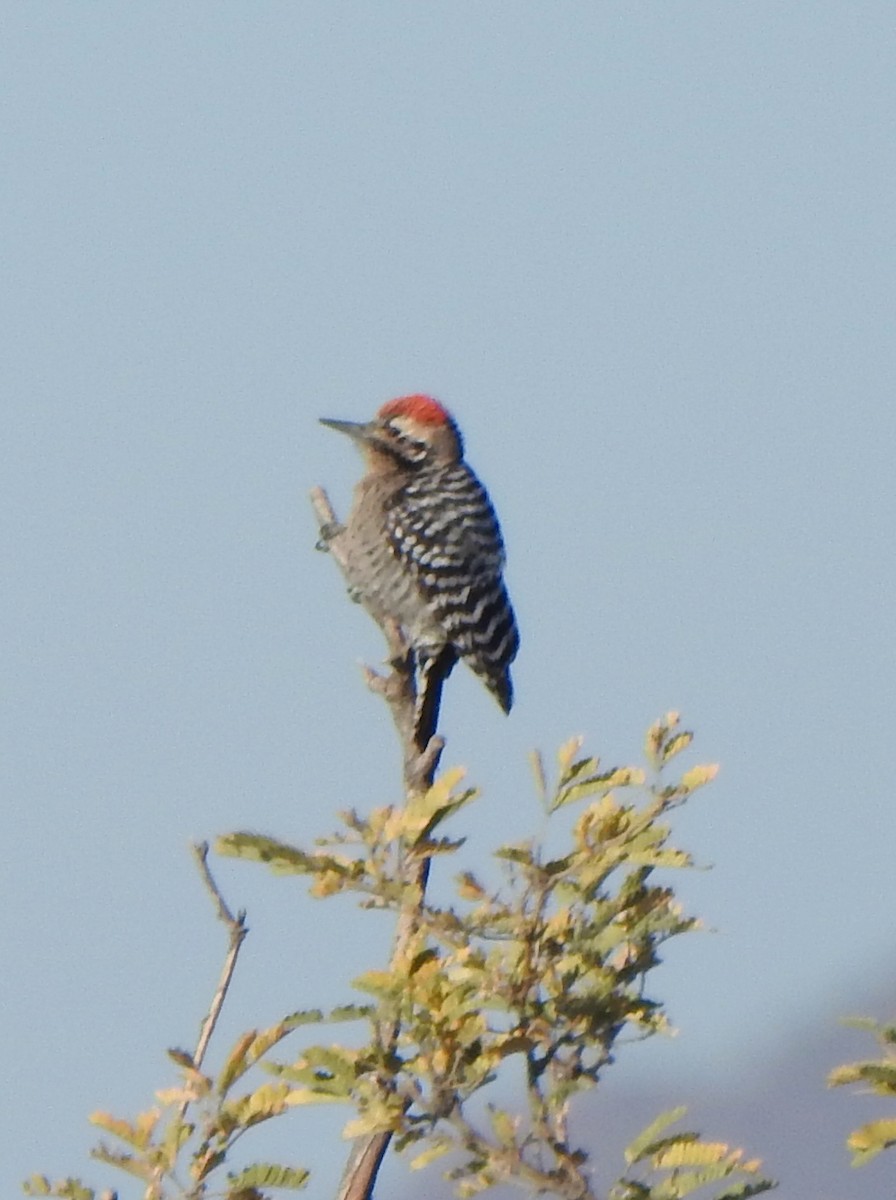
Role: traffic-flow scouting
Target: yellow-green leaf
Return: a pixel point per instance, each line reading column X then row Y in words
column 685, row 1152
column 676, row 744
column 37, row 1185
column 698, row 776
column 235, row 1065
column 869, row 1140
column 567, row 752
column 640, row 1147
column 272, row 1175
column 436, row 1149
column 137, row 1134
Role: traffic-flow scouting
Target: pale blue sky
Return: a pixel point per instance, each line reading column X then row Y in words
column 645, row 253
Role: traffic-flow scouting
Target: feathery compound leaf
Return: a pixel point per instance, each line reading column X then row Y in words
column 65, row 1189
column 350, row 1012
column 39, row 1185
column 676, row 744
column 125, row 1162
column 641, row 1146
column 868, row 1024
column 686, row 1151
column 869, row 1140
column 436, row 1148
column 385, row 985
column 658, row 737
column 272, row 1175
column 697, row 777
column 880, row 1076
column 265, row 1102
column 424, row 812
column 551, row 966
column 137, row 1134
column 235, row 1064
column 742, row 1191
column 253, row 1046
column 596, row 784
column 567, row 752
column 279, row 856
column 712, row 1161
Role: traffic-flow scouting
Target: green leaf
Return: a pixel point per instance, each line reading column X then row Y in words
column 206, row 1160
column 272, row 1175
column 697, row 777
column 385, row 985
column 424, row 812
column 351, row 1012
column 303, row 1016
column 642, row 1146
column 124, row 1162
column 37, row 1185
column 866, row 1023
column 742, row 1191
column 537, row 764
column 328, row 1070
column 182, row 1058
column 235, row 1065
column 65, row 1189
column 519, row 854
column 687, row 1151
column 869, row 1140
column 255, row 847
column 255, row 1044
column 177, row 1134
column 283, row 858
column 437, row 1148
column 594, row 785
column 567, row 752
column 137, row 1133
column 881, row 1076
column 676, row 744
column 658, row 735
column 504, row 1126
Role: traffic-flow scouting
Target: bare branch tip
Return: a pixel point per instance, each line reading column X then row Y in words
column 429, row 758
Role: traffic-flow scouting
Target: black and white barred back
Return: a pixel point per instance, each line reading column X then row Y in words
column 443, row 529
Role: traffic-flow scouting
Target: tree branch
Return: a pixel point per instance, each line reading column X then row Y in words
column 421, row 750
column 237, row 930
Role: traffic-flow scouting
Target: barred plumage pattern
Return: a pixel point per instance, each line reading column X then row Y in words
column 423, row 543
column 442, row 527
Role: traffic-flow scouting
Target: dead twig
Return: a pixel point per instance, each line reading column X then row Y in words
column 237, row 930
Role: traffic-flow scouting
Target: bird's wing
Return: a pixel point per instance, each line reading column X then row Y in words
column 445, row 530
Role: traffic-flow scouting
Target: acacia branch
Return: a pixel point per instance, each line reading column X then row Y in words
column 421, row 750
column 237, row 930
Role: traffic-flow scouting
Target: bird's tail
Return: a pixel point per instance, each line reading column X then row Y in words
column 431, row 676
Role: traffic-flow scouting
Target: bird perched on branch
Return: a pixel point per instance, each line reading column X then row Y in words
column 422, row 547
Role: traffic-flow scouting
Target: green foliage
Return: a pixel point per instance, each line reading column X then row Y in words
column 542, row 975
column 878, row 1076
column 684, row 1164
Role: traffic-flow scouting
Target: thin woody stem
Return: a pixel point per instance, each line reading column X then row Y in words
column 421, row 750
column 237, row 929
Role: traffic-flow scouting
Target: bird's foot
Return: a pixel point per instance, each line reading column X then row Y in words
column 329, row 531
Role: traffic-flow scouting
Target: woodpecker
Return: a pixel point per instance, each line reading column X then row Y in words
column 423, row 547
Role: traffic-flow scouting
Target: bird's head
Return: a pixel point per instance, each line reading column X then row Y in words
column 405, row 432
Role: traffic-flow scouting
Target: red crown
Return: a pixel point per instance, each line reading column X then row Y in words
column 420, row 408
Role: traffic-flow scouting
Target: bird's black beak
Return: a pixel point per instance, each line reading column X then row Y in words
column 357, row 430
